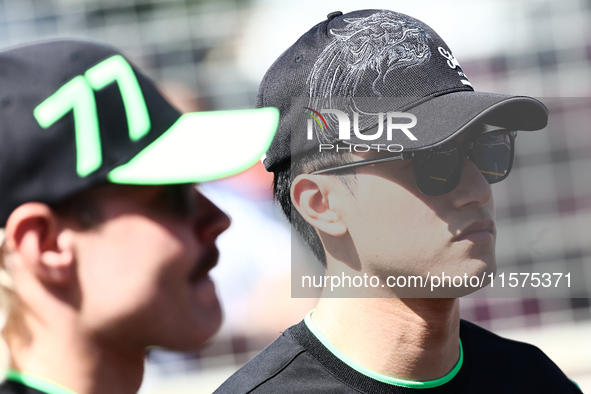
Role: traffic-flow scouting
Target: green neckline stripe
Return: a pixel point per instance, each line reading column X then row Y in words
column 378, row 376
column 36, row 382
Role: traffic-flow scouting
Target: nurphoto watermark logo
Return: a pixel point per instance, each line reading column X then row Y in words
column 394, row 122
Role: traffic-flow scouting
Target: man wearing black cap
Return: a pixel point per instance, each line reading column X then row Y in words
column 106, row 242
column 387, row 154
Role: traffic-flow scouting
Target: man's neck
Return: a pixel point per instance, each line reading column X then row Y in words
column 411, row 339
column 64, row 355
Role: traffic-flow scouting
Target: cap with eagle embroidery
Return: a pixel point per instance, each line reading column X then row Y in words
column 373, row 61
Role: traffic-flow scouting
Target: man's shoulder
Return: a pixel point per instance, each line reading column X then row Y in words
column 481, row 338
column 295, row 363
column 266, row 365
column 514, row 361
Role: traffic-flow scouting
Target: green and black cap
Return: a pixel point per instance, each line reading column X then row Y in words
column 76, row 113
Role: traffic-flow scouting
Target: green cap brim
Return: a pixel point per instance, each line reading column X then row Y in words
column 202, row 146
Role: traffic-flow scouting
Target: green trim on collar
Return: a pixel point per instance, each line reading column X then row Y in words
column 36, row 382
column 378, row 376
column 576, row 384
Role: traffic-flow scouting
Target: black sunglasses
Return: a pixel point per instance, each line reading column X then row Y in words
column 437, row 171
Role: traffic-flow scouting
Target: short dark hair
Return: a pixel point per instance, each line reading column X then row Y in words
column 287, row 171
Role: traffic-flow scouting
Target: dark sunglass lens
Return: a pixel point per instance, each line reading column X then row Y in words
column 493, row 156
column 438, row 170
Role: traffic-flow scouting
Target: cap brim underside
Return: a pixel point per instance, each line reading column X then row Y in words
column 443, row 118
column 202, row 146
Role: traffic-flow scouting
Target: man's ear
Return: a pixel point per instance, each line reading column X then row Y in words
column 315, row 197
column 34, row 234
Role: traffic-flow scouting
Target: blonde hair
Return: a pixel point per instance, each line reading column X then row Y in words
column 83, row 208
column 6, row 302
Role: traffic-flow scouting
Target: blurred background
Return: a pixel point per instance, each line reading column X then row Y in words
column 211, row 55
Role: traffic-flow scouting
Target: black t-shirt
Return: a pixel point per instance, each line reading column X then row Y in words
column 10, row 387
column 18, row 382
column 298, row 362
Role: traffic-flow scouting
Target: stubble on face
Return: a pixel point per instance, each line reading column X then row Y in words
column 144, row 271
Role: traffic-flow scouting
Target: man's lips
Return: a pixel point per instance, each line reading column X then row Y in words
column 204, row 265
column 479, row 230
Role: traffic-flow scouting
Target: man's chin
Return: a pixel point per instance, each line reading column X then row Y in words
column 194, row 336
column 207, row 309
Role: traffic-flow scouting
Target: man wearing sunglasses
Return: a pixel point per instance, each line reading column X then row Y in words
column 438, row 170
column 383, row 162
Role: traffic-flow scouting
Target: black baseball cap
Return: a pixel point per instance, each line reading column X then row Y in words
column 77, row 113
column 371, row 61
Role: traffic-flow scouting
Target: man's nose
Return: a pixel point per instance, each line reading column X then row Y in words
column 473, row 190
column 210, row 221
